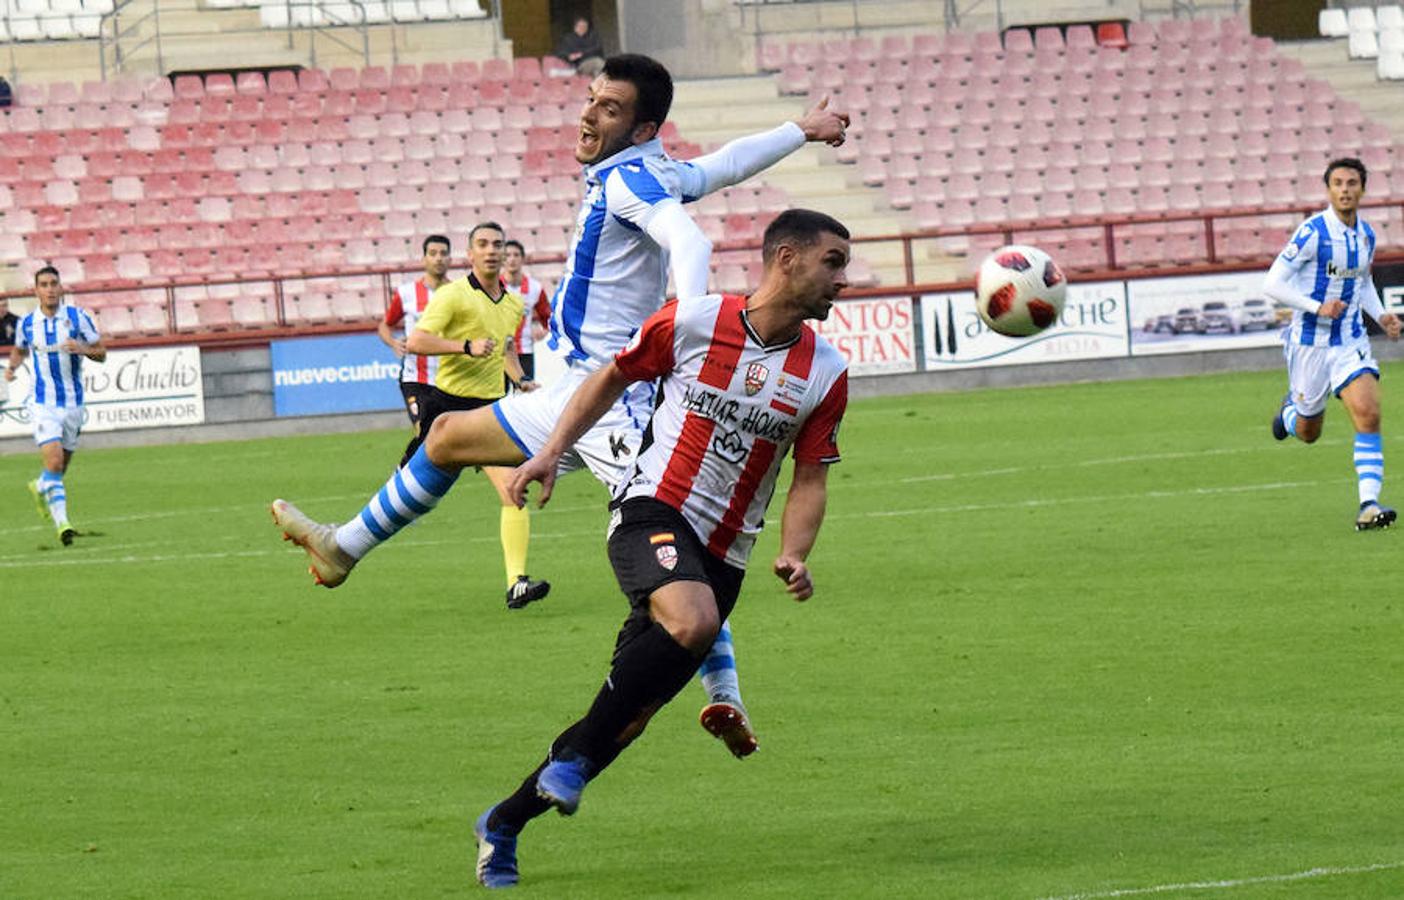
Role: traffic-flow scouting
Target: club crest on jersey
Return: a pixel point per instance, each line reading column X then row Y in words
column 756, row 374
column 667, row 556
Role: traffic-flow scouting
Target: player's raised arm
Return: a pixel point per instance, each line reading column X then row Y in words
column 743, row 157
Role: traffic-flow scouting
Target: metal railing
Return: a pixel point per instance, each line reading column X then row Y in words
column 1109, row 230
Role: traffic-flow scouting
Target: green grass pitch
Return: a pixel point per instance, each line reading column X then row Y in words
column 1066, row 641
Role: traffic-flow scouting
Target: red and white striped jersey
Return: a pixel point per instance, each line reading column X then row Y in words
column 538, row 307
column 729, row 410
column 406, row 305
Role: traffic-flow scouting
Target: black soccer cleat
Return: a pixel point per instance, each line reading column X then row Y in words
column 1279, row 428
column 526, row 591
column 1373, row 515
column 66, row 534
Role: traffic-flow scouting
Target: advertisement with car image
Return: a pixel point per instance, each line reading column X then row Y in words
column 1203, row 312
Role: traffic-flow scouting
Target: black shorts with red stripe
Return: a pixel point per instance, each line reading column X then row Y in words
column 651, row 545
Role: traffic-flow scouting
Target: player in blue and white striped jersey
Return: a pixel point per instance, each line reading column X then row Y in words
column 57, row 337
column 1324, row 275
column 631, row 226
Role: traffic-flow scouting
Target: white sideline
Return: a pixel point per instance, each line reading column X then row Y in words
column 30, row 562
column 1108, row 461
column 1229, row 883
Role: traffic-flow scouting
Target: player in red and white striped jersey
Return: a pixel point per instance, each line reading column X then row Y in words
column 538, row 304
column 743, row 380
column 406, row 304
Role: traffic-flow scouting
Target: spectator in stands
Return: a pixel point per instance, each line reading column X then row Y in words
column 582, row 48
column 538, row 304
column 8, row 322
column 7, row 96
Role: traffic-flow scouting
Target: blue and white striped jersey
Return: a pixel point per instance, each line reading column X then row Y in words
column 58, row 374
column 615, row 274
column 1326, row 260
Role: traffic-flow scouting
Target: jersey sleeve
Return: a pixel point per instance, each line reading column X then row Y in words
column 439, row 313
column 633, row 194
column 395, row 312
column 1301, row 249
column 22, row 333
column 87, row 328
column 649, row 354
column 817, row 441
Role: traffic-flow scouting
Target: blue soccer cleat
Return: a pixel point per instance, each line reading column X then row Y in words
column 497, row 854
column 562, row 782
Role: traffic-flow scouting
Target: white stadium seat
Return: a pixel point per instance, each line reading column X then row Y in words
column 1389, row 17
column 1361, row 18
column 1364, row 45
column 1390, row 66
column 1391, row 39
column 1332, row 23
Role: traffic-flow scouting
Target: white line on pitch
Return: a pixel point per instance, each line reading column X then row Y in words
column 261, row 507
column 1108, row 461
column 1067, row 501
column 871, row 514
column 50, row 560
column 1319, row 872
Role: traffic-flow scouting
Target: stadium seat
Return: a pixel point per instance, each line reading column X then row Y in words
column 1360, row 19
column 1363, row 44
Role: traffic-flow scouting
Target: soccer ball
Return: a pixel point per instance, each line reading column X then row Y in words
column 1019, row 290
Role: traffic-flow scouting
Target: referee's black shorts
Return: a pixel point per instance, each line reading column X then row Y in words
column 434, row 403
column 651, row 545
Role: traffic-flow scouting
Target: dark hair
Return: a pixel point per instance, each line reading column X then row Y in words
column 481, row 225
column 514, row 243
column 800, row 227
column 1345, row 162
column 47, row 270
column 650, row 80
column 436, row 239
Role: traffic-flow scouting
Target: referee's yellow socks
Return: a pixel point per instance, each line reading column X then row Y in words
column 516, row 534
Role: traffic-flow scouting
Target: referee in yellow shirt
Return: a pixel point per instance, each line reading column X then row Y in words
column 469, row 324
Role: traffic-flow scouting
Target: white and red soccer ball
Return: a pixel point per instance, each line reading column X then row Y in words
column 1019, row 290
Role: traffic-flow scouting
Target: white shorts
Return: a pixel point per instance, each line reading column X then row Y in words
column 57, row 423
column 1314, row 373
column 608, row 449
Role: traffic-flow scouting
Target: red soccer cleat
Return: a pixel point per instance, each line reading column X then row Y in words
column 728, row 722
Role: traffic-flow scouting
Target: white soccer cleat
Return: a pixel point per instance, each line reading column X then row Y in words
column 329, row 564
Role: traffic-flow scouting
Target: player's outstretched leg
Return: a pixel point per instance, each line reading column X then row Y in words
column 497, row 852
column 724, row 716
column 410, row 493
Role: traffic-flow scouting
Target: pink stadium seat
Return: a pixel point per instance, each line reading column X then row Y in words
column 497, row 70
column 436, row 75
column 189, row 87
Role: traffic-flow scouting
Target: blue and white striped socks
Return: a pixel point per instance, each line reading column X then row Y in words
column 51, row 487
column 414, row 489
column 1289, row 418
column 1369, row 466
column 718, row 670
